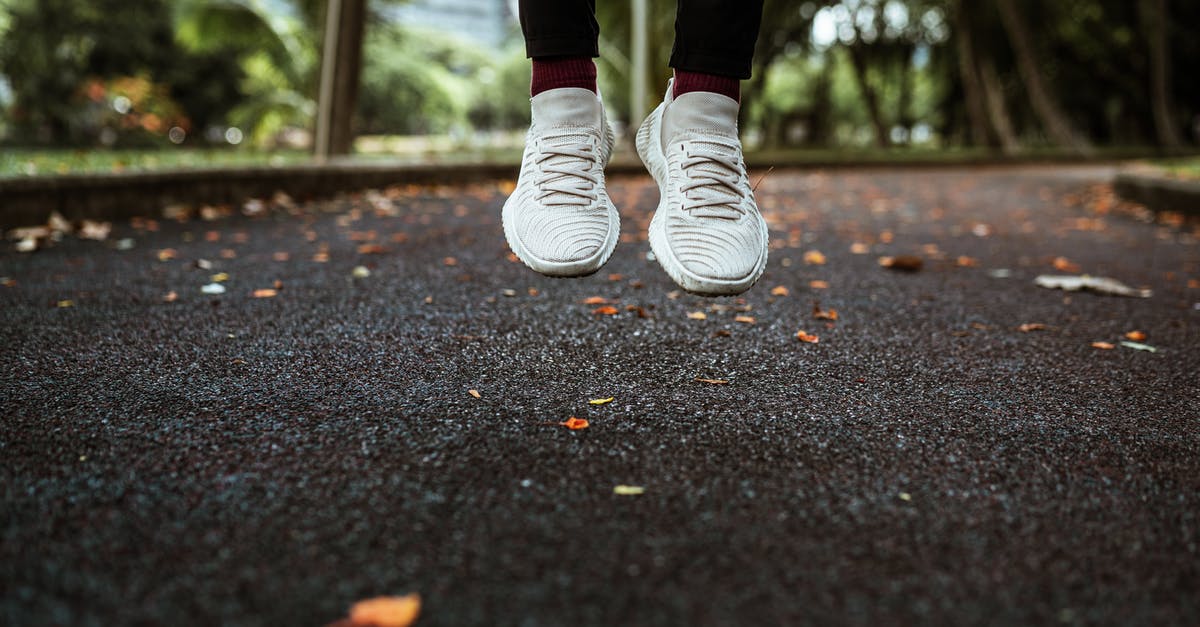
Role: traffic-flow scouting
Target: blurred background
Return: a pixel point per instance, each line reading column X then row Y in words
column 104, row 85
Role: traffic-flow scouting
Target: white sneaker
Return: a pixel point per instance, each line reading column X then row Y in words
column 559, row 219
column 707, row 232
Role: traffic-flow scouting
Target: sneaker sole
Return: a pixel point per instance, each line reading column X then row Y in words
column 564, row 269
column 650, row 150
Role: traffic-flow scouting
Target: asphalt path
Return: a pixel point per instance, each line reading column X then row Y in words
column 227, row 459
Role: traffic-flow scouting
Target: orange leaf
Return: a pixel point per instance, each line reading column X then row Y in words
column 697, row 315
column 823, row 314
column 386, row 611
column 595, row 300
column 1135, row 336
column 574, row 423
column 966, row 262
column 474, row 393
column 859, row 248
column 779, row 291
column 450, row 261
column 170, row 297
column 615, row 277
column 814, row 258
column 807, row 337
column 744, row 319
column 607, row 310
column 1103, row 346
column 1031, row 326
column 819, row 285
column 267, row 293
column 371, row 249
column 1066, row 265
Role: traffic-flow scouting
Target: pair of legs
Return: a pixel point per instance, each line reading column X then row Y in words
column 707, row 232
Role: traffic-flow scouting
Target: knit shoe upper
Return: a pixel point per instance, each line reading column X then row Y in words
column 707, row 233
column 559, row 219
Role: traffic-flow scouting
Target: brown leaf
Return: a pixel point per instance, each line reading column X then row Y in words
column 966, row 262
column 712, row 381
column 281, row 256
column 824, row 314
column 807, row 337
column 450, row 261
column 744, row 319
column 607, row 310
column 903, row 263
column 386, row 611
column 1031, row 326
column 1063, row 264
column 371, row 249
column 474, row 393
column 616, row 277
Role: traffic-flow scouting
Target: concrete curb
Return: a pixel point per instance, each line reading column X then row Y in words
column 1158, row 191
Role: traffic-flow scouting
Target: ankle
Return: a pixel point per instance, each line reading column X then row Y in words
column 687, row 82
column 558, row 72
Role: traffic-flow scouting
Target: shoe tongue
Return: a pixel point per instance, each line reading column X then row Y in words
column 566, row 106
column 700, row 111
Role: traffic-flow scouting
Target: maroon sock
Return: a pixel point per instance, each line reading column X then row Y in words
column 694, row 81
column 553, row 73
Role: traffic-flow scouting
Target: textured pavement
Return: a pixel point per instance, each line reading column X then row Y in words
column 232, row 460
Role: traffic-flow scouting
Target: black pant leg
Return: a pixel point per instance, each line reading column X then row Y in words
column 716, row 36
column 560, row 28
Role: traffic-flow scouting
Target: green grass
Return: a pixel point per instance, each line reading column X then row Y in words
column 22, row 162
column 1187, row 168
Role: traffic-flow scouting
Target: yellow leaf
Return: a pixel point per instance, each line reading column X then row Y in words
column 697, row 315
column 600, row 401
column 814, row 258
column 220, row 277
column 779, row 291
column 474, row 393
column 386, row 611
column 628, row 490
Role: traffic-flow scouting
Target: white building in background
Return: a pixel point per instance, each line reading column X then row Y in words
column 488, row 23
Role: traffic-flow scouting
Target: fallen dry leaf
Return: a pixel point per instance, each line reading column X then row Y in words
column 474, row 393
column 697, row 315
column 807, row 337
column 1100, row 285
column 1062, row 264
column 779, row 291
column 595, row 300
column 170, row 297
column 600, row 401
column 616, row 277
column 859, row 248
column 360, row 272
column 628, row 490
column 1135, row 336
column 450, row 261
column 265, row 293
column 903, row 263
column 966, row 262
column 1031, row 326
column 219, row 277
column 91, row 229
column 712, row 381
column 371, row 249
column 744, row 319
column 167, row 254
column 65, row 303
column 818, row 284
column 281, row 256
column 321, row 257
column 1103, row 346
column 574, row 423
column 824, row 314
column 386, row 611
column 607, row 310
column 814, row 258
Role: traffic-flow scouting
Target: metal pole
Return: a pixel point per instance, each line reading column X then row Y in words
column 639, row 67
column 329, row 62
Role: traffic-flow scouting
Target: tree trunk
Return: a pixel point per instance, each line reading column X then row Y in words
column 1001, row 122
column 870, row 98
column 967, row 70
column 341, row 69
column 1154, row 17
column 1054, row 121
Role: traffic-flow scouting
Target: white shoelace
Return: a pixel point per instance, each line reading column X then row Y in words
column 712, row 175
column 566, row 174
